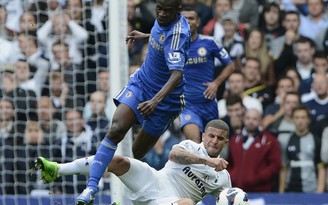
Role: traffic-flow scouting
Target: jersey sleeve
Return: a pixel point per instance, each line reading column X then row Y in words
column 175, row 50
column 187, row 145
column 220, row 52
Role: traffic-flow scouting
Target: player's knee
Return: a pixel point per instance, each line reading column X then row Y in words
column 116, row 132
column 119, row 165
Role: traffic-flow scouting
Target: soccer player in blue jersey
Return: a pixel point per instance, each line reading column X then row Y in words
column 153, row 96
column 201, row 84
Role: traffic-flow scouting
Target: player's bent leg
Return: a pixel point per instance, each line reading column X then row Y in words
column 119, row 165
column 192, row 132
column 123, row 119
column 143, row 143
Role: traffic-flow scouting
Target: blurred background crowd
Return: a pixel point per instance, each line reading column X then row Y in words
column 54, row 93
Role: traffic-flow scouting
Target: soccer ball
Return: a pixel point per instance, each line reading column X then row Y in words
column 233, row 196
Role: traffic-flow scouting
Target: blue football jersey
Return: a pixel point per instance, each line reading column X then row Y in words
column 200, row 66
column 167, row 51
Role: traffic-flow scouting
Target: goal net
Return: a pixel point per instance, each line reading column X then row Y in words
column 54, row 55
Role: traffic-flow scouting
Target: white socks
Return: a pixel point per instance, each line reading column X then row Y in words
column 79, row 166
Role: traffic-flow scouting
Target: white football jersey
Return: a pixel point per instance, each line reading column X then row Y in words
column 194, row 180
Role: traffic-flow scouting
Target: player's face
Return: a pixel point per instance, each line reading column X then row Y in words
column 166, row 11
column 301, row 120
column 214, row 140
column 192, row 18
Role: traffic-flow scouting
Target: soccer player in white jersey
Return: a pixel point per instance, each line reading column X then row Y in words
column 193, row 171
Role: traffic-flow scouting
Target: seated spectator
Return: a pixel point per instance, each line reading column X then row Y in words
column 282, row 125
column 58, row 91
column 103, row 85
column 30, row 51
column 28, row 23
column 72, row 75
column 214, row 26
column 302, row 160
column 231, row 40
column 304, row 50
column 53, row 129
column 316, row 21
column 76, row 143
column 26, row 80
column 254, row 86
column 61, row 27
column 286, row 58
column 296, row 77
column 256, row 48
column 24, row 100
column 98, row 120
column 235, row 114
column 318, row 106
column 272, row 27
column 254, row 157
column 320, row 62
column 235, row 85
column 273, row 111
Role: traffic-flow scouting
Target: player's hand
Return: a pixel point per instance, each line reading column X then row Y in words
column 218, row 163
column 135, row 35
column 147, row 107
column 210, row 92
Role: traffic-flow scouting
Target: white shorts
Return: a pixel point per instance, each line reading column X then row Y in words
column 146, row 186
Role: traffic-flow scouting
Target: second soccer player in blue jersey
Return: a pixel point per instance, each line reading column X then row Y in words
column 201, row 84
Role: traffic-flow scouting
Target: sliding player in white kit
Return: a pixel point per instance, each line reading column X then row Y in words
column 193, row 171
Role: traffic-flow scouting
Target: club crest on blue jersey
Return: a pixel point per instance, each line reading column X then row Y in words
column 202, row 51
column 187, row 117
column 128, row 94
column 174, row 57
column 162, row 38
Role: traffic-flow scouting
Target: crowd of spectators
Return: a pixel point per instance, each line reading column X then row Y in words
column 54, row 93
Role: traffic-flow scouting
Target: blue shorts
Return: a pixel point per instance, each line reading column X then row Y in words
column 154, row 124
column 199, row 114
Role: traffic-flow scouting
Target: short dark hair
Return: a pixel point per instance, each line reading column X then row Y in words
column 218, row 124
column 305, row 40
column 233, row 99
column 295, row 94
column 291, row 13
column 321, row 55
column 302, row 107
column 267, row 7
column 253, row 59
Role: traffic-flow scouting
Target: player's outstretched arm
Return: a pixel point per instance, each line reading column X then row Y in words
column 182, row 156
column 136, row 35
column 147, row 107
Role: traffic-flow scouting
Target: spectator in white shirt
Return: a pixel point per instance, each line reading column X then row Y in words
column 61, row 27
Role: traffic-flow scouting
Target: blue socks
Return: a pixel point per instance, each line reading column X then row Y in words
column 100, row 163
